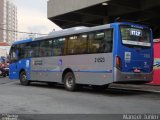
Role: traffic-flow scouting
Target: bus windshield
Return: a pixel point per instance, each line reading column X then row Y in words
column 136, row 36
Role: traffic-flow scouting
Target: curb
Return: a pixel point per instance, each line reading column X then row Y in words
column 143, row 88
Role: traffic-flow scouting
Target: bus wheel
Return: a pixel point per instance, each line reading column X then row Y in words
column 23, row 78
column 70, row 82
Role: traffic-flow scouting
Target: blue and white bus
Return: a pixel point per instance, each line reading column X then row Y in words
column 116, row 52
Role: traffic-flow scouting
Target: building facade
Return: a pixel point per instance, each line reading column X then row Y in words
column 8, row 21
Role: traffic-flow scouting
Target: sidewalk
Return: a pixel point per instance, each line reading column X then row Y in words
column 141, row 87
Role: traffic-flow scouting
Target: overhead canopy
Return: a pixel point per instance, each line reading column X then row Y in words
column 139, row 11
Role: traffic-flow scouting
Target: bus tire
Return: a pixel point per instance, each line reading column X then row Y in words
column 23, row 79
column 70, row 81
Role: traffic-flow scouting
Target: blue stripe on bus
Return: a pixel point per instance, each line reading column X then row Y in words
column 96, row 71
column 46, row 71
column 90, row 71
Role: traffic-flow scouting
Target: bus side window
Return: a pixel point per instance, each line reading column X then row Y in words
column 90, row 46
column 94, row 43
column 13, row 55
column 108, row 41
column 71, row 48
column 82, row 44
column 45, row 48
column 77, row 44
column 28, row 50
column 35, row 49
column 58, row 46
column 21, row 50
column 100, row 41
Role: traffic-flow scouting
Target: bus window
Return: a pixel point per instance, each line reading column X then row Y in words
column 25, row 50
column 13, row 54
column 58, row 46
column 72, row 44
column 82, row 41
column 77, row 44
column 100, row 41
column 95, row 41
column 135, row 36
column 21, row 51
column 28, row 52
column 45, row 48
column 108, row 41
column 34, row 49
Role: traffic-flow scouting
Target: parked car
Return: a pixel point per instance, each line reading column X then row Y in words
column 3, row 72
column 4, row 66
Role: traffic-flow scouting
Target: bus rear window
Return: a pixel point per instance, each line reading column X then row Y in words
column 132, row 35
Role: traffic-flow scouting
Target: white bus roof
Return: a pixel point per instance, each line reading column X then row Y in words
column 74, row 30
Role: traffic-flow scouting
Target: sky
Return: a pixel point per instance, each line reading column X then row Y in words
column 32, row 17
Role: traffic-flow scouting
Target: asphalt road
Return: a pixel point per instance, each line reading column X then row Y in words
column 4, row 80
column 38, row 98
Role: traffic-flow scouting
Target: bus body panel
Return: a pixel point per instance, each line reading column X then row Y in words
column 93, row 69
column 45, row 69
column 13, row 72
column 132, row 59
column 140, row 58
column 16, row 67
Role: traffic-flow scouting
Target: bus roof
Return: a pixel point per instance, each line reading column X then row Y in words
column 80, row 29
column 23, row 41
column 76, row 30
